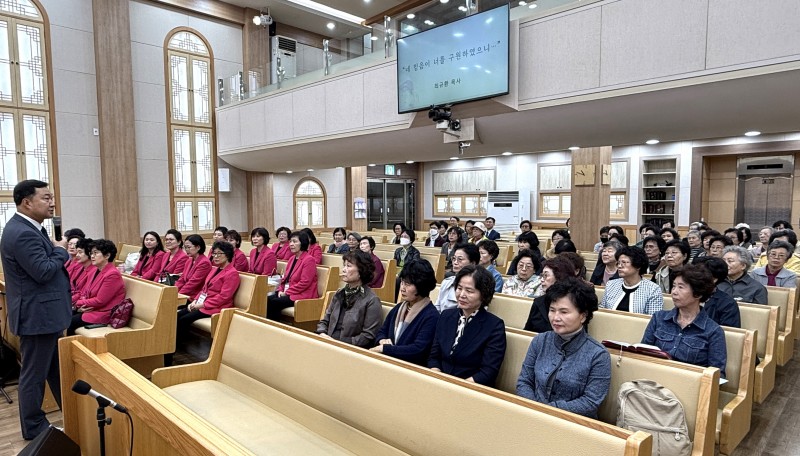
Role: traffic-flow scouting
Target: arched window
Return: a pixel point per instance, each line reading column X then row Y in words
column 25, row 146
column 309, row 204
column 192, row 153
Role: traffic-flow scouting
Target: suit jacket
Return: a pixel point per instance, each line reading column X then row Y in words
column 102, row 292
column 493, row 235
column 414, row 344
column 360, row 323
column 479, row 354
column 282, row 252
column 176, row 265
column 151, row 269
column 78, row 282
column 37, row 285
column 194, row 276
column 265, row 263
column 219, row 289
column 380, row 271
column 302, row 284
column 240, row 261
column 316, row 253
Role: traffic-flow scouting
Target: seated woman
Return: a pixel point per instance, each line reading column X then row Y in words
column 528, row 241
column 151, row 256
column 525, row 226
column 793, row 262
column 104, row 289
column 526, row 281
column 175, row 260
column 676, row 255
column 314, row 248
column 197, row 268
column 407, row 333
column 467, row 235
column 717, row 244
column 217, row 293
column 72, row 265
column 686, row 332
column 353, row 241
column 566, row 368
column 262, row 258
column 434, row 239
column 654, row 249
column 720, row 306
column 354, row 314
column 469, row 342
column 774, row 274
column 465, row 254
column 477, row 233
column 555, row 270
column 578, row 264
column 695, row 245
column 763, row 241
column 299, row 280
column 740, row 285
column 398, row 229
column 239, row 262
column 281, row 248
column 489, row 251
column 219, row 235
column 554, row 238
column 83, row 259
column 367, row 245
column 630, row 293
column 339, row 245
column 606, row 268
column 669, row 234
column 453, row 238
column 405, row 254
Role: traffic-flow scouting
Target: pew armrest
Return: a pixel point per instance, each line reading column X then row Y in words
column 308, row 309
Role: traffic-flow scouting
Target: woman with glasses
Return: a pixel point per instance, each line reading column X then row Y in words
column 83, row 258
column 196, row 269
column 150, row 257
column 262, row 259
column 340, row 245
column 239, row 262
column 774, row 274
column 281, row 248
column 630, row 293
column 104, row 289
column 300, row 279
column 676, row 255
column 526, row 282
column 654, row 249
column 72, row 266
column 465, row 254
column 554, row 270
column 740, row 285
column 606, row 268
column 453, row 238
column 717, row 244
column 175, row 260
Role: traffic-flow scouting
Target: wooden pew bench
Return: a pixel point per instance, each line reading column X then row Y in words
column 735, row 397
column 271, row 374
column 784, row 298
column 123, row 250
column 250, row 297
column 437, row 261
column 385, row 292
column 306, row 313
column 151, row 330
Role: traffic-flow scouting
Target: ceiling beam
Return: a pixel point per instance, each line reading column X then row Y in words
column 212, row 8
column 394, row 11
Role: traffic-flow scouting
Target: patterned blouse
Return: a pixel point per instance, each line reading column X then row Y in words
column 525, row 288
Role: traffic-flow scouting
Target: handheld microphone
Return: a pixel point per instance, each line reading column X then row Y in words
column 57, row 227
column 85, row 389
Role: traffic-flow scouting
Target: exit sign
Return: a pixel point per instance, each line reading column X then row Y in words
column 388, row 170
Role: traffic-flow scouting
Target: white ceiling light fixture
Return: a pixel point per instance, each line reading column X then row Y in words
column 453, row 158
column 574, row 147
column 371, row 164
column 409, row 162
column 507, row 153
column 289, row 172
column 752, row 133
column 532, row 5
column 319, row 8
column 652, row 142
column 522, row 3
column 462, row 8
column 410, row 16
column 443, row 1
column 310, row 170
column 263, row 20
column 330, row 25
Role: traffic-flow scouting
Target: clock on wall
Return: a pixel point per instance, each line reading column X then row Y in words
column 583, row 175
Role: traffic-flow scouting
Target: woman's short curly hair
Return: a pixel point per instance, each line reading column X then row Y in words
column 363, row 262
column 636, row 255
column 420, row 274
column 530, row 237
column 105, row 247
column 225, row 247
column 484, row 281
column 561, row 267
column 699, row 278
column 580, row 293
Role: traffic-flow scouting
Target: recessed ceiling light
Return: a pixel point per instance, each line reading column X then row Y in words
column 371, row 164
column 532, row 5
column 453, row 158
column 428, row 22
column 310, row 170
column 443, row 1
column 522, row 3
column 652, row 141
column 410, row 16
column 507, row 153
column 330, row 25
column 340, row 167
column 289, row 172
column 462, row 8
column 409, row 161
column 374, row 38
column 574, row 147
column 752, row 133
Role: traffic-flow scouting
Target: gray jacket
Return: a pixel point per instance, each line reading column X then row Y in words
column 360, row 323
column 785, row 277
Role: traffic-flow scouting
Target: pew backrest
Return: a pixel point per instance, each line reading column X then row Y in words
column 513, row 310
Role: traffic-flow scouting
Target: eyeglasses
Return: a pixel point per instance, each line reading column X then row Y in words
column 459, row 259
column 778, row 256
column 524, row 266
column 671, row 253
column 623, row 263
column 216, row 254
column 544, row 275
column 95, row 252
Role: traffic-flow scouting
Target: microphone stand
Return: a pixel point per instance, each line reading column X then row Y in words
column 102, row 421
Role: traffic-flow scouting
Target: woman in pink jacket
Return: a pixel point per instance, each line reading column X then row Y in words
column 299, row 280
column 104, row 289
column 196, row 269
column 217, row 292
column 262, row 258
column 239, row 262
column 281, row 248
column 314, row 248
column 150, row 257
column 175, row 260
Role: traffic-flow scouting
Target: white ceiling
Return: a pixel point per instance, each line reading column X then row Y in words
column 768, row 103
column 285, row 12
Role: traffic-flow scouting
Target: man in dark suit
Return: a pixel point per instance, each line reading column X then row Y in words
column 38, row 299
column 491, row 233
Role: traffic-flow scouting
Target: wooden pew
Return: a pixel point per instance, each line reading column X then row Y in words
column 250, row 297
column 735, row 396
column 385, row 292
column 151, row 330
column 272, row 371
column 123, row 250
column 784, row 298
column 437, row 261
column 306, row 312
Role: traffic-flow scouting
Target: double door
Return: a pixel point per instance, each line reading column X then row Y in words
column 390, row 201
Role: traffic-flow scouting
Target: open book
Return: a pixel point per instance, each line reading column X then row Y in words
column 642, row 349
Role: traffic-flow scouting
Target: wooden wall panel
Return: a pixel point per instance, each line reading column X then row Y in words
column 260, row 200
column 590, row 204
column 721, row 194
column 116, row 120
column 255, row 47
column 356, row 187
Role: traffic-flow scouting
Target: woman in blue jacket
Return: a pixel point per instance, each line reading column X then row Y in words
column 407, row 333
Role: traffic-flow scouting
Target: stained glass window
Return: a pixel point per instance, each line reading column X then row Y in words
column 309, row 204
column 20, row 7
column 189, row 42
